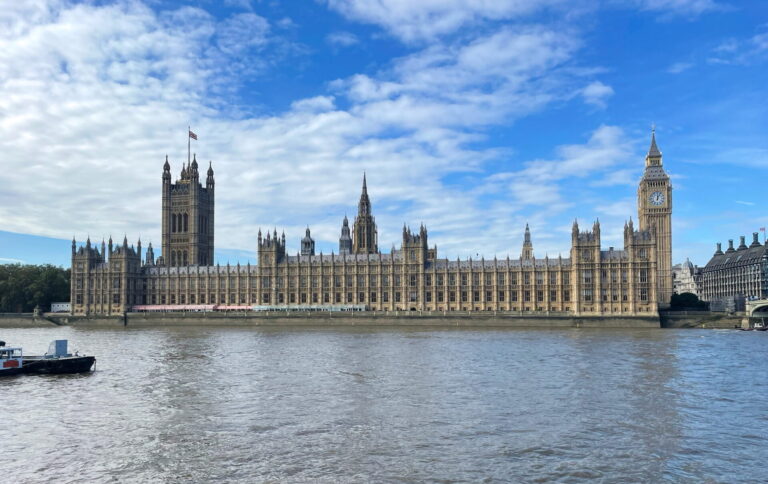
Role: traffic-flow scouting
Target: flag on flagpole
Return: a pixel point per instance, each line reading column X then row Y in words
column 762, row 229
column 192, row 135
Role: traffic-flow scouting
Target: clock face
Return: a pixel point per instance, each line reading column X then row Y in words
column 656, row 198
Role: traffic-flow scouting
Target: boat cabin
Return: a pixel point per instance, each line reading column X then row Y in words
column 10, row 358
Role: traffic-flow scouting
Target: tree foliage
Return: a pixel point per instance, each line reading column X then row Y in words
column 22, row 287
column 687, row 300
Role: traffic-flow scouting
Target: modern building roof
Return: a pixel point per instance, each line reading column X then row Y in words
column 738, row 257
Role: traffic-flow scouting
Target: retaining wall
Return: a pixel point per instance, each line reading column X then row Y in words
column 700, row 319
column 373, row 319
column 23, row 320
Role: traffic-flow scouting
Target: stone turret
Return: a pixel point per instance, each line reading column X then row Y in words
column 271, row 249
column 307, row 244
column 345, row 241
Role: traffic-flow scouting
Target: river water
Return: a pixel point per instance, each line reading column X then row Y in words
column 391, row 405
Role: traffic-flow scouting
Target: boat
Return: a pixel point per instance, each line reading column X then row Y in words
column 55, row 361
column 10, row 360
column 760, row 326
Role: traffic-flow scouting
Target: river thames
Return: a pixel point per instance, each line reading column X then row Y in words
column 391, row 405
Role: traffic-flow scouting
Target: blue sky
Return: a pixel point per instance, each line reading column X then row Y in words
column 473, row 117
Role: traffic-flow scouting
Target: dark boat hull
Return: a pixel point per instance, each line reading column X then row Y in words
column 56, row 366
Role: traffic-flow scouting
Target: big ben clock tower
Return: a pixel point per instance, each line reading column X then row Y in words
column 654, row 207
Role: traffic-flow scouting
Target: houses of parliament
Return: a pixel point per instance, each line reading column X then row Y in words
column 635, row 280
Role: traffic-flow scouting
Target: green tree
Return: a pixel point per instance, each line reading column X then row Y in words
column 687, row 300
column 22, row 287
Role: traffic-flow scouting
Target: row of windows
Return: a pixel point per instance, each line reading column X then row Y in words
column 614, row 275
column 588, row 295
column 98, row 300
column 586, row 254
column 180, row 223
column 327, row 297
column 304, row 298
column 347, row 281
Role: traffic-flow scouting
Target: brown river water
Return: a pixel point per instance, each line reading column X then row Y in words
column 391, row 405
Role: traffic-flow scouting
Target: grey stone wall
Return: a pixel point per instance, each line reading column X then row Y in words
column 369, row 319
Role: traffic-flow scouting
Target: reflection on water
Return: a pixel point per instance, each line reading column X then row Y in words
column 393, row 405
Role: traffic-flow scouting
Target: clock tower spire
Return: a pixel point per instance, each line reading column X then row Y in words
column 654, row 207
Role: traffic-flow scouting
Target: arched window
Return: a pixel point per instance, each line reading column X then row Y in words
column 173, row 222
column 185, row 256
column 186, row 220
column 173, row 258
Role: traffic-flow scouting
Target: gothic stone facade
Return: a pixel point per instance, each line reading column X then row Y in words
column 592, row 281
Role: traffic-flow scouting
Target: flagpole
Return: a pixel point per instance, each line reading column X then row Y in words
column 189, row 142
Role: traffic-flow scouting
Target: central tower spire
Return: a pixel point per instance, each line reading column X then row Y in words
column 364, row 206
column 365, row 239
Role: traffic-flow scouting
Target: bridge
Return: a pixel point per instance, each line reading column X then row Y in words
column 755, row 308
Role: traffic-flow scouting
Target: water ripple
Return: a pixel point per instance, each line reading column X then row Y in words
column 273, row 405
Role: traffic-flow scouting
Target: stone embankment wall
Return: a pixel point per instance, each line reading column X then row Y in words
column 24, row 320
column 700, row 319
column 370, row 319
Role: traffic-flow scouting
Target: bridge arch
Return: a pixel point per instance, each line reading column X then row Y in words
column 762, row 307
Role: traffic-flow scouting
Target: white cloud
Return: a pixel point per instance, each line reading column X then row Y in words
column 679, row 67
column 243, row 4
column 242, row 32
column 428, row 19
column 607, row 146
column 627, row 176
column 314, row 104
column 341, row 39
column 93, row 97
column 538, row 182
column 678, row 7
column 504, row 75
column 596, row 93
column 741, row 51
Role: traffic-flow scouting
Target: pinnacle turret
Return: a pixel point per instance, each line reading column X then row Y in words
column 653, row 150
column 527, row 252
column 209, row 181
column 653, row 158
column 345, row 241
